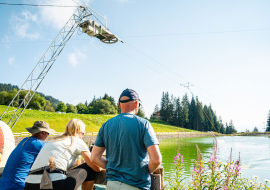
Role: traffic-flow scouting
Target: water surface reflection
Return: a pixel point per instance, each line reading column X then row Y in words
column 255, row 153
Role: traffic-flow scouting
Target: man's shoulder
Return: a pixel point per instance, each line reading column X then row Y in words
column 142, row 120
column 36, row 143
column 112, row 120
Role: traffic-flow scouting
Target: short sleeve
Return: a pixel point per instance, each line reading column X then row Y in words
column 99, row 140
column 149, row 138
column 81, row 146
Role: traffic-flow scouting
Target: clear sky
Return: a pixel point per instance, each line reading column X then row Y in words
column 221, row 47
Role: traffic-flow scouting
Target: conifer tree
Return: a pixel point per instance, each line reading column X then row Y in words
column 192, row 114
column 184, row 114
column 162, row 107
column 157, row 109
column 227, row 129
column 222, row 128
column 200, row 117
column 177, row 112
column 170, row 110
column 268, row 123
column 255, row 129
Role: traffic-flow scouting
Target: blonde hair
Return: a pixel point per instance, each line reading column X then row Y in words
column 73, row 127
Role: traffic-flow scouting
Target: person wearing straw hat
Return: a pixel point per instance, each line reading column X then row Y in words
column 23, row 156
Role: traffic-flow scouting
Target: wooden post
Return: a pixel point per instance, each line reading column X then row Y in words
column 155, row 182
column 101, row 177
column 160, row 170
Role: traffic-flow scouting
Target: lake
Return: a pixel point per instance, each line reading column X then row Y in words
column 254, row 153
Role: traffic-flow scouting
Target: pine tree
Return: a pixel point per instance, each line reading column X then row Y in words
column 170, row 110
column 230, row 128
column 192, row 114
column 222, row 128
column 227, row 129
column 157, row 109
column 255, row 129
column 268, row 122
column 177, row 112
column 162, row 107
column 105, row 97
column 200, row 116
column 184, row 114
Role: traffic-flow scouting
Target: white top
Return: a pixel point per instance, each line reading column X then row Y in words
column 64, row 158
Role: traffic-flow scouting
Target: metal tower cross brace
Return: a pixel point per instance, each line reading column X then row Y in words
column 30, row 86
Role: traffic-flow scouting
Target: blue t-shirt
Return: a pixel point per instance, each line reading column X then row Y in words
column 19, row 163
column 126, row 138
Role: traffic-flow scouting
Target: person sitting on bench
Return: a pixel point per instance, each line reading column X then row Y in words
column 23, row 156
column 62, row 152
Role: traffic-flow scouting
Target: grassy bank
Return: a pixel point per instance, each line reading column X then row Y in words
column 58, row 121
column 251, row 134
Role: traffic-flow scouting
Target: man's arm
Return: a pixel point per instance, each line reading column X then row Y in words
column 87, row 158
column 96, row 156
column 155, row 157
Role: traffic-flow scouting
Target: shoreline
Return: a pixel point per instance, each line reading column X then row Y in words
column 91, row 139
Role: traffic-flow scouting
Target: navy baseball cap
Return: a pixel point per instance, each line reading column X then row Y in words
column 129, row 93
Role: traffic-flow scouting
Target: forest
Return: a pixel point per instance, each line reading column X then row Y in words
column 190, row 114
column 185, row 113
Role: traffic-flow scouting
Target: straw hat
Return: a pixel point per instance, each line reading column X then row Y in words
column 40, row 126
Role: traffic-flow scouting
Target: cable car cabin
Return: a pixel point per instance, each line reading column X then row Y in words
column 94, row 29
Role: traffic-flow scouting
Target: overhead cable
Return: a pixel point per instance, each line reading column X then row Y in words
column 155, row 35
column 197, row 33
column 37, row 5
column 169, row 69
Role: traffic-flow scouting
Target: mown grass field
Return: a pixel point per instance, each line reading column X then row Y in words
column 58, row 121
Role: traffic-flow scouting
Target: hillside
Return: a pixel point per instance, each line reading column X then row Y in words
column 58, row 121
column 9, row 87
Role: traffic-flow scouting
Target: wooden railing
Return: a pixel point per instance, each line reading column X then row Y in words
column 25, row 134
column 183, row 133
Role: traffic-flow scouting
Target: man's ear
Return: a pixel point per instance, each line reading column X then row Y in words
column 136, row 104
column 119, row 104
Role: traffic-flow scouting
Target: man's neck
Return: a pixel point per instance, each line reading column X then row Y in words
column 130, row 112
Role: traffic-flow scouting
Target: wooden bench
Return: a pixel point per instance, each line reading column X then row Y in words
column 157, row 179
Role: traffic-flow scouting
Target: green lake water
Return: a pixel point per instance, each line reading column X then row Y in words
column 254, row 153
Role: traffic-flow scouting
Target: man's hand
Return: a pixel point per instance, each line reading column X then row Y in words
column 155, row 158
column 96, row 156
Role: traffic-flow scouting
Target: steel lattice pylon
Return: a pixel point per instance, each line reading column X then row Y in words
column 23, row 97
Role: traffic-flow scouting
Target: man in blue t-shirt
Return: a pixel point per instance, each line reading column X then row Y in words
column 23, row 156
column 132, row 151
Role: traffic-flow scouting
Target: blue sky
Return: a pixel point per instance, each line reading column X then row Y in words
column 221, row 47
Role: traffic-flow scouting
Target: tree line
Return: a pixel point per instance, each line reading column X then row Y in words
column 190, row 114
column 101, row 105
column 6, row 88
column 37, row 102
